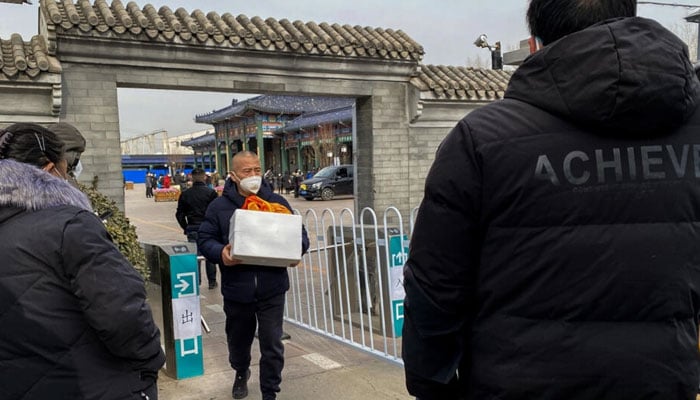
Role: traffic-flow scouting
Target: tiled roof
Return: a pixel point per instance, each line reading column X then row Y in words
column 276, row 104
column 204, row 140
column 237, row 31
column 461, row 83
column 26, row 58
column 322, row 117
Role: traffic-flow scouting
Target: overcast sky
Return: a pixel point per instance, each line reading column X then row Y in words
column 445, row 28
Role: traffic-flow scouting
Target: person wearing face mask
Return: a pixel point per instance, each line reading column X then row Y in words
column 253, row 295
column 75, row 320
column 74, row 146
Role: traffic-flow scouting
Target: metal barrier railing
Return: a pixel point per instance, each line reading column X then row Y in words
column 349, row 284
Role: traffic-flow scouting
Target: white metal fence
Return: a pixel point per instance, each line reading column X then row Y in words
column 349, row 285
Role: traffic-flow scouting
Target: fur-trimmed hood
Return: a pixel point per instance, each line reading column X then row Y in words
column 27, row 187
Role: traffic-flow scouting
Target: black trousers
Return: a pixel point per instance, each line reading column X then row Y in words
column 241, row 321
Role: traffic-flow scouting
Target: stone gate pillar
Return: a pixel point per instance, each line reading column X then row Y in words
column 90, row 104
column 381, row 155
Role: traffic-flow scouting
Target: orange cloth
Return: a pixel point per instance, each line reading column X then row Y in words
column 255, row 203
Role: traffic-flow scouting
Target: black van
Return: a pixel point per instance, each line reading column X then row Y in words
column 328, row 182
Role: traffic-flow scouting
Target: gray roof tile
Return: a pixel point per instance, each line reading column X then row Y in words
column 461, row 83
column 314, row 119
column 434, row 81
column 228, row 30
column 276, row 104
column 31, row 58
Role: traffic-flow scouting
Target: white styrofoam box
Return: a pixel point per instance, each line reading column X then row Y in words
column 265, row 238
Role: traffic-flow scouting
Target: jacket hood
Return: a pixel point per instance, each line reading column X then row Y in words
column 27, row 187
column 627, row 75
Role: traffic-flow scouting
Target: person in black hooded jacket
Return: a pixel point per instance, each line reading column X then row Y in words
column 191, row 206
column 254, row 295
column 75, row 322
column 555, row 254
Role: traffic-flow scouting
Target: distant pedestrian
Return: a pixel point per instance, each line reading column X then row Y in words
column 154, row 182
column 191, row 207
column 182, row 180
column 296, row 180
column 287, row 182
column 279, row 185
column 149, row 186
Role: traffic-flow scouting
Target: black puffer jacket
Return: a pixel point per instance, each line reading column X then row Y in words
column 75, row 323
column 556, row 254
column 241, row 283
column 192, row 205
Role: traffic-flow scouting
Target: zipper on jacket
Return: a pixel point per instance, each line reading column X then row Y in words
column 255, row 279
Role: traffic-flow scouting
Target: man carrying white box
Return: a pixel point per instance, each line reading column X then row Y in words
column 254, row 249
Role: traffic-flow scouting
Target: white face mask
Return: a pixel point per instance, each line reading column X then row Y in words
column 251, row 184
column 77, row 169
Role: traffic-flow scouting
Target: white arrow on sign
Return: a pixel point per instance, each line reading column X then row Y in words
column 182, row 286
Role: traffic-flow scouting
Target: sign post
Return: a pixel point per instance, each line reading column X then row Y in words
column 187, row 328
column 181, row 330
column 398, row 252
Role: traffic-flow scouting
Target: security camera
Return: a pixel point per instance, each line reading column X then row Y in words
column 481, row 41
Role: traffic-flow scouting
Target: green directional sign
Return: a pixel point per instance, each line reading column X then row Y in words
column 398, row 251
column 187, row 327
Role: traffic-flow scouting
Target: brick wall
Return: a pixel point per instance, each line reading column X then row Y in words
column 90, row 104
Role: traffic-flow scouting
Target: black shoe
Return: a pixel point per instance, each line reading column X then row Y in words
column 213, row 285
column 240, row 385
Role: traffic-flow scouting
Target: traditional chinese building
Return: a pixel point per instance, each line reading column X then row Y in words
column 319, row 139
column 257, row 124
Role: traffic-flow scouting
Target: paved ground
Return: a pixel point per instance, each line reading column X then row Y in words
column 316, row 367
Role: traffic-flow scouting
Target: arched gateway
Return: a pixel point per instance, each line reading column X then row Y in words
column 84, row 52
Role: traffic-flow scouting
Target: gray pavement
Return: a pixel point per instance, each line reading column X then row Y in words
column 316, row 367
